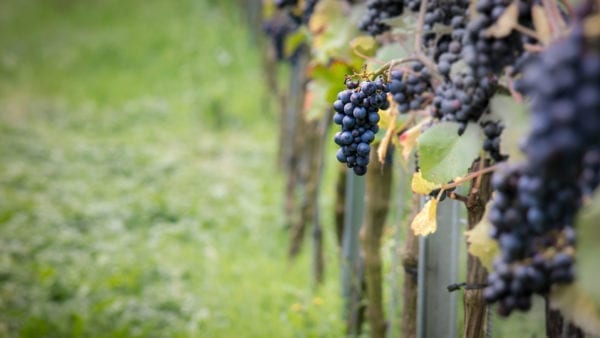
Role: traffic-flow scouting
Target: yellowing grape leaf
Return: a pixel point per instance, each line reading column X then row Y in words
column 425, row 222
column 541, row 24
column 506, row 22
column 364, row 44
column 577, row 306
column 481, row 245
column 408, row 139
column 591, row 26
column 422, row 186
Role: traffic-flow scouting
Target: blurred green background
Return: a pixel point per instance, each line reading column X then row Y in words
column 139, row 195
column 138, row 190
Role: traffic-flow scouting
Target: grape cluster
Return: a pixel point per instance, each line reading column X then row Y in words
column 535, row 204
column 533, row 257
column 356, row 110
column 411, row 88
column 486, row 54
column 445, row 47
column 493, row 131
column 463, row 99
column 378, row 10
column 590, row 177
column 285, row 3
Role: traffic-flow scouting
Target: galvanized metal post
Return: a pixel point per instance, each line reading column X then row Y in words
column 394, row 290
column 438, row 268
column 351, row 261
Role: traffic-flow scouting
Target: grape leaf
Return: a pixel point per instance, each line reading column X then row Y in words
column 444, row 155
column 425, row 222
column 591, row 26
column 364, row 44
column 506, row 22
column 580, row 302
column 421, row 186
column 408, row 139
column 481, row 245
column 541, row 24
column 334, row 26
column 294, row 40
column 516, row 122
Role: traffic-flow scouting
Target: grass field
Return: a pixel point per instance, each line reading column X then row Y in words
column 138, row 190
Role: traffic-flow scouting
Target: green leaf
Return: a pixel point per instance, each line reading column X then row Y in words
column 443, row 155
column 387, row 53
column 516, row 121
column 294, row 40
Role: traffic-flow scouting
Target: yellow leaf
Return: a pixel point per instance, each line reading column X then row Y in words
column 540, row 22
column 591, row 26
column 576, row 306
column 364, row 44
column 408, row 139
column 425, row 222
column 481, row 245
column 422, row 186
column 506, row 22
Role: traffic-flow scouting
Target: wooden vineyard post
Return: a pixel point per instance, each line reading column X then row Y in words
column 378, row 191
column 474, row 304
column 352, row 275
column 438, row 268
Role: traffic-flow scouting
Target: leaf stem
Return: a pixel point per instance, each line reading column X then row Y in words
column 469, row 177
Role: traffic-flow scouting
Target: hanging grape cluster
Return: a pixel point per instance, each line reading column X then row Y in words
column 411, row 87
column 535, row 205
column 378, row 10
column 356, row 111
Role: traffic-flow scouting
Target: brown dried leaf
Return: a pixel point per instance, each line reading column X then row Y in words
column 506, row 22
column 541, row 24
column 591, row 26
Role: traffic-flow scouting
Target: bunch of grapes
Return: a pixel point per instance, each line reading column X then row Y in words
column 533, row 256
column 489, row 55
column 535, row 205
column 411, row 88
column 445, row 47
column 493, row 131
column 463, row 99
column 356, row 110
column 285, row 3
column 378, row 10
column 590, row 177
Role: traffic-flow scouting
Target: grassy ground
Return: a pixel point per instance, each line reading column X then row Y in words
column 138, row 195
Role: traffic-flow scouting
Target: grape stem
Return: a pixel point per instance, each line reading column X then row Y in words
column 527, row 31
column 467, row 178
column 387, row 67
column 554, row 18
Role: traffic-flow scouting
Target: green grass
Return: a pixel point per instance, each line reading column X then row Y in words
column 138, row 192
